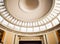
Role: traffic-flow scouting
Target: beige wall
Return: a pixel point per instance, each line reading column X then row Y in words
column 51, row 38
column 9, row 38
column 17, row 40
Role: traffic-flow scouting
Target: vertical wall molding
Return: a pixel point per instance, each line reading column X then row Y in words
column 44, row 39
column 47, row 41
column 56, row 37
column 14, row 39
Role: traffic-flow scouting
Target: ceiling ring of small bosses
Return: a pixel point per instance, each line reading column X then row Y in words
column 46, row 22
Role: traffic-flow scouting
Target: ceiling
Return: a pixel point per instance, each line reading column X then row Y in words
column 28, row 10
column 29, row 15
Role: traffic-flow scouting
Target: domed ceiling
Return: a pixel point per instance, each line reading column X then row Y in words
column 28, row 10
column 29, row 15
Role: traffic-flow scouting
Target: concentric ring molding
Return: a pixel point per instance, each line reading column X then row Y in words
column 28, row 15
column 18, row 22
column 49, row 21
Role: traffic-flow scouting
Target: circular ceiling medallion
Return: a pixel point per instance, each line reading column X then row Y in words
column 30, row 4
column 28, row 10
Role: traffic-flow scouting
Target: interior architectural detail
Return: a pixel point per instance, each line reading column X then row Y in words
column 58, row 35
column 30, row 21
column 2, row 33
